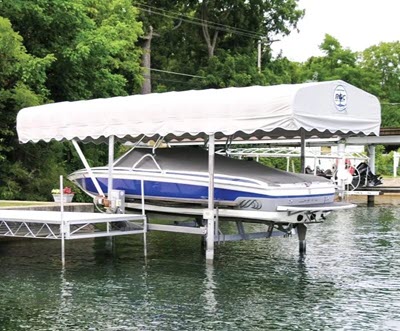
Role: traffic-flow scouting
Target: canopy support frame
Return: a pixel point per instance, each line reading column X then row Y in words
column 87, row 167
column 209, row 214
column 111, row 140
column 303, row 151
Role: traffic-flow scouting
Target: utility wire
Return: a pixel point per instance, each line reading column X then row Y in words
column 166, row 79
column 174, row 73
column 201, row 21
column 201, row 24
column 216, row 26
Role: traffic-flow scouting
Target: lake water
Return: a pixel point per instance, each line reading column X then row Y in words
column 349, row 280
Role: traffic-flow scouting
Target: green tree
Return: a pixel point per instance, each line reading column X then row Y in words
column 338, row 63
column 241, row 24
column 22, row 84
column 79, row 50
column 208, row 38
column 93, row 42
column 382, row 62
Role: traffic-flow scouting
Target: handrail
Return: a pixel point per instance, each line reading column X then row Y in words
column 135, row 145
column 143, row 157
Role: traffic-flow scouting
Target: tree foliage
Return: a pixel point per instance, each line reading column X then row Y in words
column 59, row 50
column 207, row 38
column 382, row 62
column 22, row 84
column 338, row 63
column 93, row 42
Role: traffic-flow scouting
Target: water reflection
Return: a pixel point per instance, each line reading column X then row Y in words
column 347, row 280
column 66, row 301
column 209, row 288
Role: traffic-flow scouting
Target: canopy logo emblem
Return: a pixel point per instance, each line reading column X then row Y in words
column 340, row 98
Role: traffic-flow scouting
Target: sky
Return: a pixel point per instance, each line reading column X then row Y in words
column 356, row 24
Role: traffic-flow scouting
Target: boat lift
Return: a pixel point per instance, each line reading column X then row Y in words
column 318, row 109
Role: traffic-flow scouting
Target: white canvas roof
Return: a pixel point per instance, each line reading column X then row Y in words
column 320, row 108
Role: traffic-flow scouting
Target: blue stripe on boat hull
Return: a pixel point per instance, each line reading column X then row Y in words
column 180, row 191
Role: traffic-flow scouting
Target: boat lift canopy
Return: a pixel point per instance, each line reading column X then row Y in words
column 320, row 108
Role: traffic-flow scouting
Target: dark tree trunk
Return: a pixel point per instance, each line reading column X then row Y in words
column 210, row 42
column 146, row 62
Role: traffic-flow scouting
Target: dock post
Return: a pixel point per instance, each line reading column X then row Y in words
column 209, row 213
column 371, row 154
column 341, row 170
column 110, row 165
column 371, row 200
column 144, row 218
column 301, row 232
column 62, row 226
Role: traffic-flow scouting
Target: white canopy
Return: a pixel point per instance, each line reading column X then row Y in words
column 320, row 108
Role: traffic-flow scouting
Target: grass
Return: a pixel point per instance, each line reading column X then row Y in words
column 5, row 203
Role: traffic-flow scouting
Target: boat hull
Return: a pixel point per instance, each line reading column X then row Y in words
column 176, row 181
column 238, row 195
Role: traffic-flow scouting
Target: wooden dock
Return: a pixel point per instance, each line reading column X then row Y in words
column 376, row 195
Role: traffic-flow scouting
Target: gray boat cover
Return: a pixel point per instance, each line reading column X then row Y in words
column 195, row 159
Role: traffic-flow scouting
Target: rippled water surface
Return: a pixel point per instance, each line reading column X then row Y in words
column 349, row 280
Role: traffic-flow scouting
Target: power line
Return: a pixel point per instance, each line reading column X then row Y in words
column 232, row 30
column 165, row 79
column 175, row 73
column 199, row 22
column 202, row 20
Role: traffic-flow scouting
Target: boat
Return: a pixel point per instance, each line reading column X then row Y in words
column 315, row 109
column 176, row 180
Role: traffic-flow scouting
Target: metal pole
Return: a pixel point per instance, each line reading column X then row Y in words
column 341, row 168
column 87, row 167
column 301, row 232
column 259, row 56
column 371, row 154
column 210, row 211
column 62, row 222
column 144, row 219
column 217, row 224
column 110, row 165
column 303, row 151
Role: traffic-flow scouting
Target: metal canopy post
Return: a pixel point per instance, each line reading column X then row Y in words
column 303, row 151
column 395, row 163
column 110, row 165
column 62, row 224
column 209, row 213
column 371, row 154
column 87, row 167
column 341, row 168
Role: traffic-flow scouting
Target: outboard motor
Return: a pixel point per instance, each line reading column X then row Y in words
column 367, row 177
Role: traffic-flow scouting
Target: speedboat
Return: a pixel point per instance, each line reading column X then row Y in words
column 176, row 180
